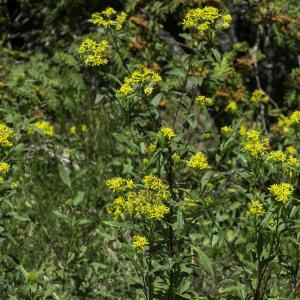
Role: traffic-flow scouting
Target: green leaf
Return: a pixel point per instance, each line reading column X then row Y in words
column 216, row 55
column 192, row 121
column 204, row 261
column 156, row 99
column 16, row 216
column 99, row 98
column 64, row 175
column 79, row 197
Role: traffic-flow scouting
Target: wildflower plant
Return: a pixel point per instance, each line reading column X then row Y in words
column 152, row 205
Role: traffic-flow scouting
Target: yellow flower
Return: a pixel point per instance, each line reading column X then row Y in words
column 253, row 135
column 255, row 209
column 188, row 204
column 291, row 150
column 255, row 144
column 295, row 118
column 198, row 161
column 121, row 18
column 257, row 148
column 148, row 90
column 167, row 132
column 281, row 192
column 202, row 19
column 231, row 106
column 195, row 18
column 157, row 211
column 202, row 100
column 119, row 184
column 14, row 184
column 83, row 128
column 4, row 167
column 292, row 161
column 243, row 130
column 6, row 136
column 43, row 127
column 259, row 96
column 284, row 123
column 143, row 76
column 125, row 89
column 109, row 18
column 277, row 156
column 203, row 27
column 73, row 129
column 31, row 276
column 175, row 157
column 94, row 54
column 145, row 161
column 152, row 182
column 150, row 149
column 118, row 208
column 139, row 242
column 226, row 130
column 147, row 202
column 227, row 19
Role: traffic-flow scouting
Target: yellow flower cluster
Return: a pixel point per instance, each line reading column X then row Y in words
column 227, row 19
column 226, row 130
column 243, row 130
column 259, row 96
column 139, row 242
column 188, row 204
column 255, row 209
column 94, row 54
column 254, row 144
column 281, row 192
column 146, row 202
column 295, row 118
column 175, row 158
column 277, row 156
column 142, row 76
column 109, row 18
column 31, row 276
column 159, row 186
column 150, row 149
column 202, row 100
column 292, row 161
column 4, row 167
column 287, row 122
column 231, row 106
column 167, row 132
column 202, row 19
column 284, row 123
column 291, row 150
column 43, row 127
column 14, row 185
column 198, row 161
column 119, row 184
column 73, row 129
column 6, row 136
